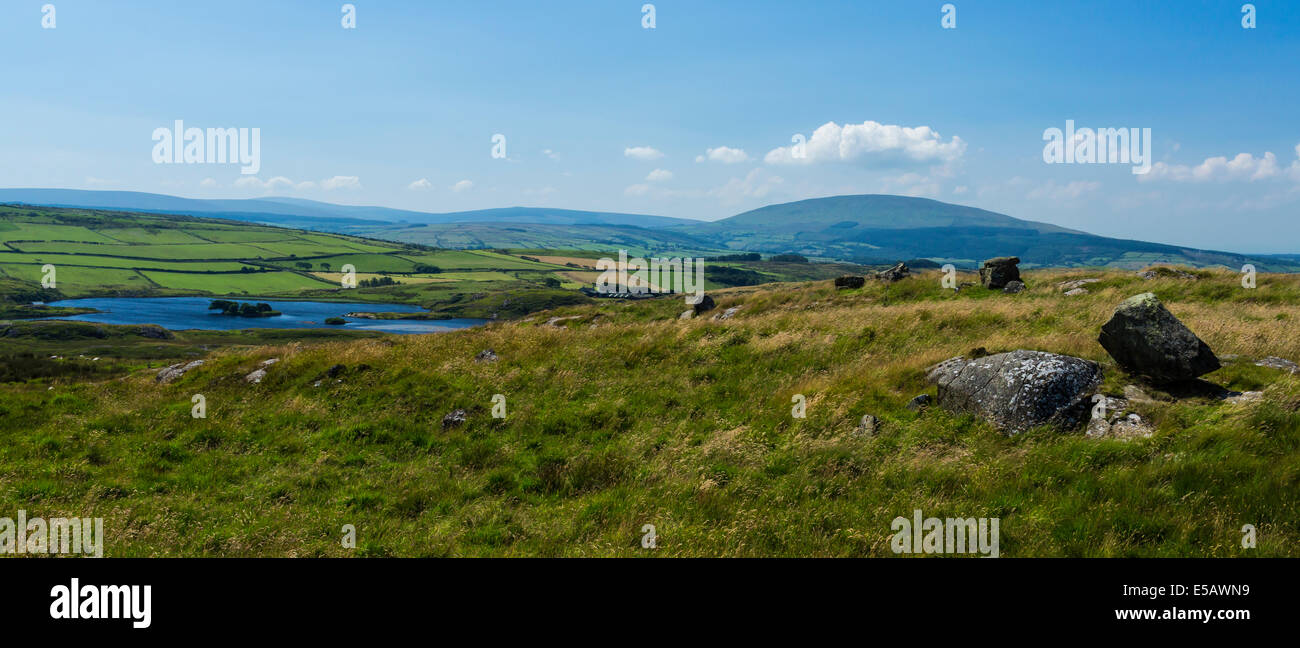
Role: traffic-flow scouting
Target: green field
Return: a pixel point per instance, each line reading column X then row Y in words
column 257, row 283
column 625, row 415
column 102, row 253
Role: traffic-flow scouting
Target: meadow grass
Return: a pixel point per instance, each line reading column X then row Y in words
column 624, row 415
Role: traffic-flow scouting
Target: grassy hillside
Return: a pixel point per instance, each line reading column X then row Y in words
column 624, row 415
column 97, row 253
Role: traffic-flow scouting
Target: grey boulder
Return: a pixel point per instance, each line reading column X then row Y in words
column 996, row 273
column 1147, row 340
column 1019, row 389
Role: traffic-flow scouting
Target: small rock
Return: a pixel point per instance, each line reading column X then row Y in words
column 920, row 402
column 1281, row 364
column 170, row 374
column 1245, row 397
column 1069, row 286
column 555, row 321
column 869, row 426
column 1146, row 339
column 687, row 314
column 727, row 314
column 705, row 304
column 267, row 363
column 335, row 370
column 1013, row 287
column 897, row 272
column 1076, row 291
column 996, row 273
column 850, row 282
column 455, row 418
column 255, row 377
column 1135, row 393
column 1162, row 271
column 486, row 355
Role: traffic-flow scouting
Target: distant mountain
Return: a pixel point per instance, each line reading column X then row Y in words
column 863, row 229
column 297, row 212
column 882, row 228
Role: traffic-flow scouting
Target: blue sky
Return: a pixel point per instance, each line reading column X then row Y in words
column 401, row 110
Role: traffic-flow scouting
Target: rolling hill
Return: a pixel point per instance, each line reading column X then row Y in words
column 868, row 229
column 883, row 228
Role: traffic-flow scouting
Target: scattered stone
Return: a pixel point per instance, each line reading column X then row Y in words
column 1120, row 426
column 1281, row 364
column 687, row 314
column 1013, row 287
column 869, row 426
column 486, row 355
column 1135, row 393
column 705, row 304
column 850, row 282
column 255, row 377
column 1019, row 389
column 996, row 273
column 1067, row 286
column 1164, row 272
column 727, row 314
column 555, row 321
column 1146, row 339
column 269, row 362
column 1076, row 291
column 897, row 272
column 1245, row 397
column 455, row 418
column 920, row 402
column 170, row 374
column 335, row 370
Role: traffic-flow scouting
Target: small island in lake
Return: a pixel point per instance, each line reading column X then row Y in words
column 243, row 310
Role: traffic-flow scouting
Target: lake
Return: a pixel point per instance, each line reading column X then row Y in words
column 179, row 313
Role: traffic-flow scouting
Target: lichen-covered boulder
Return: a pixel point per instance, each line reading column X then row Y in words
column 996, row 273
column 1147, row 340
column 1019, row 389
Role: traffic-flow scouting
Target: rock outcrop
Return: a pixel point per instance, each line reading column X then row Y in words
column 1147, row 340
column 172, row 373
column 850, row 282
column 705, row 304
column 1013, row 287
column 1019, row 389
column 996, row 273
column 898, row 272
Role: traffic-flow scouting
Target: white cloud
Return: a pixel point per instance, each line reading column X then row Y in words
column 208, row 182
column 723, row 154
column 551, row 154
column 422, row 184
column 341, row 182
column 637, row 190
column 659, row 175
column 642, row 153
column 274, row 184
column 871, row 141
column 463, row 185
column 1243, row 166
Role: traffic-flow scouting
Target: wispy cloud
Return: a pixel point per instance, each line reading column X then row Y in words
column 642, row 153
